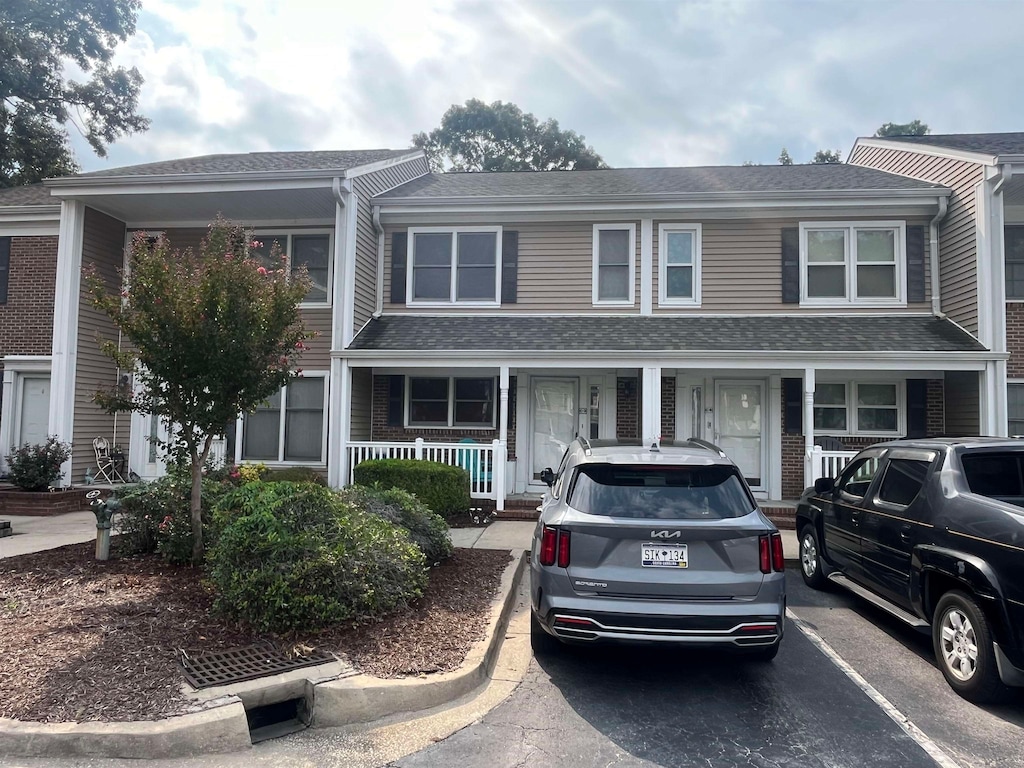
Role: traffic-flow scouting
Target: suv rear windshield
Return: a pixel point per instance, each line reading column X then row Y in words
column 997, row 475
column 664, row 493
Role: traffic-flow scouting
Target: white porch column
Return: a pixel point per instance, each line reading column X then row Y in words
column 7, row 420
column 339, row 426
column 501, row 453
column 65, row 326
column 808, row 424
column 650, row 404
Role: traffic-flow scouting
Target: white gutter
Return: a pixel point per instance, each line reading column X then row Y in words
column 379, row 229
column 933, row 248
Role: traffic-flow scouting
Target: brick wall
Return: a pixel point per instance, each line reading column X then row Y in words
column 380, row 430
column 668, row 408
column 26, row 320
column 627, row 408
column 793, row 445
column 1015, row 339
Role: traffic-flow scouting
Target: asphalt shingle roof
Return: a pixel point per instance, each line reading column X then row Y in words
column 655, row 181
column 31, row 194
column 853, row 333
column 255, row 162
column 985, row 143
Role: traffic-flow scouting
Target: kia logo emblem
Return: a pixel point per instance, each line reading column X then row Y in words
column 665, row 534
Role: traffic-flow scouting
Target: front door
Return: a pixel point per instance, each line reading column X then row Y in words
column 554, row 420
column 740, row 426
column 34, row 422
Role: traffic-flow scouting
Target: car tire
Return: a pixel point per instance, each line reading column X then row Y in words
column 764, row 654
column 541, row 642
column 810, row 559
column 960, row 629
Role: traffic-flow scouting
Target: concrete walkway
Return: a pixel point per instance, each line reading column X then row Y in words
column 517, row 534
column 33, row 534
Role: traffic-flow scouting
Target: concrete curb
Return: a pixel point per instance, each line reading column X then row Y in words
column 363, row 699
column 221, row 725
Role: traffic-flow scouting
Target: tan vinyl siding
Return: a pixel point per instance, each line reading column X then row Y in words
column 741, row 268
column 362, row 403
column 102, row 246
column 962, row 403
column 958, row 271
column 555, row 270
column 366, row 236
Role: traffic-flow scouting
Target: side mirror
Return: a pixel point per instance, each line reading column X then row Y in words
column 824, row 484
column 548, row 477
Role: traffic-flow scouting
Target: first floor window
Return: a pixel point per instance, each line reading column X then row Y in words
column 1013, row 244
column 289, row 426
column 455, row 266
column 451, row 402
column 855, row 263
column 1015, row 407
column 312, row 251
column 857, row 407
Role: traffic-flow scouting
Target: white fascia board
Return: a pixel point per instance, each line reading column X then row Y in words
column 248, row 223
column 190, row 185
column 362, row 170
column 753, row 359
column 925, row 149
column 29, row 220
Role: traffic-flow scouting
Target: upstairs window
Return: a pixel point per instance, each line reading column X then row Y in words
column 455, row 266
column 1013, row 244
column 614, row 263
column 853, row 264
column 679, row 264
column 310, row 250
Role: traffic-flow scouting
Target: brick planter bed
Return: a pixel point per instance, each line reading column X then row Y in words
column 42, row 503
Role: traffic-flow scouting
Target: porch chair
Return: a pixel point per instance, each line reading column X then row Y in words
column 479, row 472
column 829, row 443
column 106, row 467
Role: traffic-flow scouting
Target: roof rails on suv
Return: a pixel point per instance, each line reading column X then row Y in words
column 696, row 442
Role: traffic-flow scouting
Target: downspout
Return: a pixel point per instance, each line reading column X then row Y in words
column 933, row 248
column 379, row 229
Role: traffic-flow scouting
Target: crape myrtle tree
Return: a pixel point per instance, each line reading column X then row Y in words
column 209, row 333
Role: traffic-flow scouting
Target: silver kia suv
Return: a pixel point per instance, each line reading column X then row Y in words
column 660, row 545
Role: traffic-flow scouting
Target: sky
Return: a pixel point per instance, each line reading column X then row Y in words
column 647, row 82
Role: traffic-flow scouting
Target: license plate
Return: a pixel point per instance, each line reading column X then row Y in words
column 663, row 556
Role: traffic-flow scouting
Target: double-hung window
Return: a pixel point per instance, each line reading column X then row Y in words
column 290, row 425
column 451, row 402
column 311, row 250
column 455, row 266
column 858, row 407
column 1013, row 244
column 614, row 264
column 679, row 264
column 1015, row 407
column 859, row 263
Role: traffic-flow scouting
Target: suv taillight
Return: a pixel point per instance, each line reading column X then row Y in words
column 554, row 545
column 770, row 553
column 547, row 545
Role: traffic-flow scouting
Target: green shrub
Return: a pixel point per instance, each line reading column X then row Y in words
column 155, row 517
column 37, row 467
column 294, row 475
column 427, row 530
column 295, row 555
column 443, row 488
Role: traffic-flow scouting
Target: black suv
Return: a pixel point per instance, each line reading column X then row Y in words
column 931, row 531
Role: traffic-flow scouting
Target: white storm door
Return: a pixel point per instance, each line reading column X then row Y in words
column 34, row 420
column 740, row 418
column 554, row 421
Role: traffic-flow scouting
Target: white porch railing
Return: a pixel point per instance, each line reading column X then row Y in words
column 485, row 462
column 828, row 463
column 218, row 452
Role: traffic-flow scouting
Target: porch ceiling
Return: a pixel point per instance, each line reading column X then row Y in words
column 772, row 333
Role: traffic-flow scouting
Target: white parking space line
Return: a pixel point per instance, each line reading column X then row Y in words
column 934, row 750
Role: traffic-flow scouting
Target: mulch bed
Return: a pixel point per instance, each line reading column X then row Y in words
column 85, row 640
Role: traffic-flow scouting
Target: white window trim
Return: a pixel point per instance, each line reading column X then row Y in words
column 852, row 424
column 452, row 301
column 851, row 300
column 664, row 230
column 451, row 404
column 276, row 234
column 280, row 461
column 631, row 300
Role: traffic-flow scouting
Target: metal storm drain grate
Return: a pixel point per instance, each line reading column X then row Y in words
column 224, row 667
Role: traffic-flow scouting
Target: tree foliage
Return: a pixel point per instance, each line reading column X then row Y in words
column 823, row 156
column 39, row 41
column 913, row 128
column 210, row 334
column 784, row 158
column 501, row 137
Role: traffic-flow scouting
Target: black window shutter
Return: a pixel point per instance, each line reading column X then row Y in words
column 915, row 263
column 399, row 249
column 793, row 405
column 509, row 266
column 396, row 401
column 917, row 406
column 791, row 265
column 5, row 267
